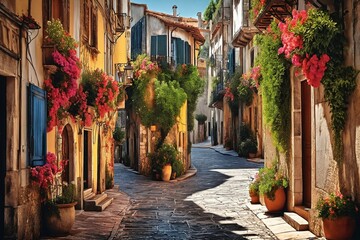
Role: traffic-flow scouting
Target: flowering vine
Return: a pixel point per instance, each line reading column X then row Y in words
column 305, row 38
column 62, row 86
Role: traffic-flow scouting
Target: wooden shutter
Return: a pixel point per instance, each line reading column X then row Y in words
column 37, row 125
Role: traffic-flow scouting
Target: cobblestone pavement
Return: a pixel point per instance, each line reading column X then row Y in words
column 210, row 205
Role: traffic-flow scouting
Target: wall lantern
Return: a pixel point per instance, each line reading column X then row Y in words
column 124, row 73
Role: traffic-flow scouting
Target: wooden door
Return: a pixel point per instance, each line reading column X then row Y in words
column 306, row 142
column 87, row 168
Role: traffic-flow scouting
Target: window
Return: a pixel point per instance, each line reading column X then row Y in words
column 37, row 125
column 56, row 9
column 252, row 57
column 158, row 45
column 137, row 38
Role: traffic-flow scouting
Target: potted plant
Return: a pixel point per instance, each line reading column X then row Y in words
column 272, row 185
column 162, row 159
column 338, row 214
column 58, row 198
column 248, row 148
column 254, row 189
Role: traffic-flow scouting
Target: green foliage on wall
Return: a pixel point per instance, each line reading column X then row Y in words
column 275, row 87
column 193, row 85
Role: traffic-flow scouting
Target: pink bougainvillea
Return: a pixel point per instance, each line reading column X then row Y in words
column 313, row 66
column 43, row 176
column 108, row 91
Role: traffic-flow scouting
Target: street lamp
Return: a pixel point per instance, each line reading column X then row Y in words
column 124, row 73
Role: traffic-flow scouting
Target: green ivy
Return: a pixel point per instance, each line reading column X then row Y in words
column 193, row 85
column 275, row 87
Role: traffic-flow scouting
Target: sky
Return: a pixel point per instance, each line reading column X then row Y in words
column 185, row 8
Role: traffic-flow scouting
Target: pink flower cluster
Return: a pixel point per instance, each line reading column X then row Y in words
column 60, row 91
column 43, row 176
column 228, row 94
column 313, row 67
column 108, row 91
column 146, row 67
column 79, row 108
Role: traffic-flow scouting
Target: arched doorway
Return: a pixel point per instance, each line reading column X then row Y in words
column 68, row 154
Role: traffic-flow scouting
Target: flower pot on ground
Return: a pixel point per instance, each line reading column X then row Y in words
column 166, row 172
column 58, row 197
column 254, row 189
column 338, row 214
column 276, row 203
column 60, row 223
column 272, row 184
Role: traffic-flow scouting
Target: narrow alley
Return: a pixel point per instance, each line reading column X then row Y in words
column 210, row 205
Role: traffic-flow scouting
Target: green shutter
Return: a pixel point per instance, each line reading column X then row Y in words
column 162, row 45
column 37, row 125
column 180, row 51
column 153, row 45
column 187, row 53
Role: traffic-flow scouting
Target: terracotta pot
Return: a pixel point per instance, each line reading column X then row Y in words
column 252, row 155
column 339, row 228
column 166, row 173
column 254, row 198
column 60, row 226
column 173, row 176
column 278, row 203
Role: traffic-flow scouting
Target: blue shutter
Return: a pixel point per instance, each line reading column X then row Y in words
column 136, row 38
column 153, row 49
column 37, row 125
column 162, row 45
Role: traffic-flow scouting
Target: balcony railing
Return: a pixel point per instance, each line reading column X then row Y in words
column 119, row 22
column 280, row 9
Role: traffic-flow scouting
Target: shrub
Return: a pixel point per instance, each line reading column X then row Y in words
column 165, row 154
column 118, row 134
column 201, row 118
column 178, row 167
column 247, row 146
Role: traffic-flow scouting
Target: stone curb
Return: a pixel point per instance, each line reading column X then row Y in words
column 189, row 173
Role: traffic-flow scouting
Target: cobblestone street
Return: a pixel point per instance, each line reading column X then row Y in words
column 210, row 205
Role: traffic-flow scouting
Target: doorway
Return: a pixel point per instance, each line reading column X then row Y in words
column 68, row 153
column 87, row 168
column 2, row 150
column 306, row 142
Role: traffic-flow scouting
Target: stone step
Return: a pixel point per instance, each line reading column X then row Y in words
column 296, row 221
column 87, row 192
column 89, row 196
column 303, row 212
column 91, row 203
column 103, row 204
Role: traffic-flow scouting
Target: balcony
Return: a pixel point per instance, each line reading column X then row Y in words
column 120, row 22
column 247, row 30
column 218, row 92
column 280, row 9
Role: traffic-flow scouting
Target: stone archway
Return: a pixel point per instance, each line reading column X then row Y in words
column 67, row 153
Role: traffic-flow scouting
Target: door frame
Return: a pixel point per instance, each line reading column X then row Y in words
column 3, row 135
column 296, row 178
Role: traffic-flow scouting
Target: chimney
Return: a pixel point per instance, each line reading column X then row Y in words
column 199, row 20
column 174, row 10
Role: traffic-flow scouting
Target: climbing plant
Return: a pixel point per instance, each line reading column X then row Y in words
column 275, row 86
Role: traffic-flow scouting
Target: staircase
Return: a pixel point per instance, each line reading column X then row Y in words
column 96, row 202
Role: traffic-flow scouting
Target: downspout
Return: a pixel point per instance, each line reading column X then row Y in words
column 194, row 48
